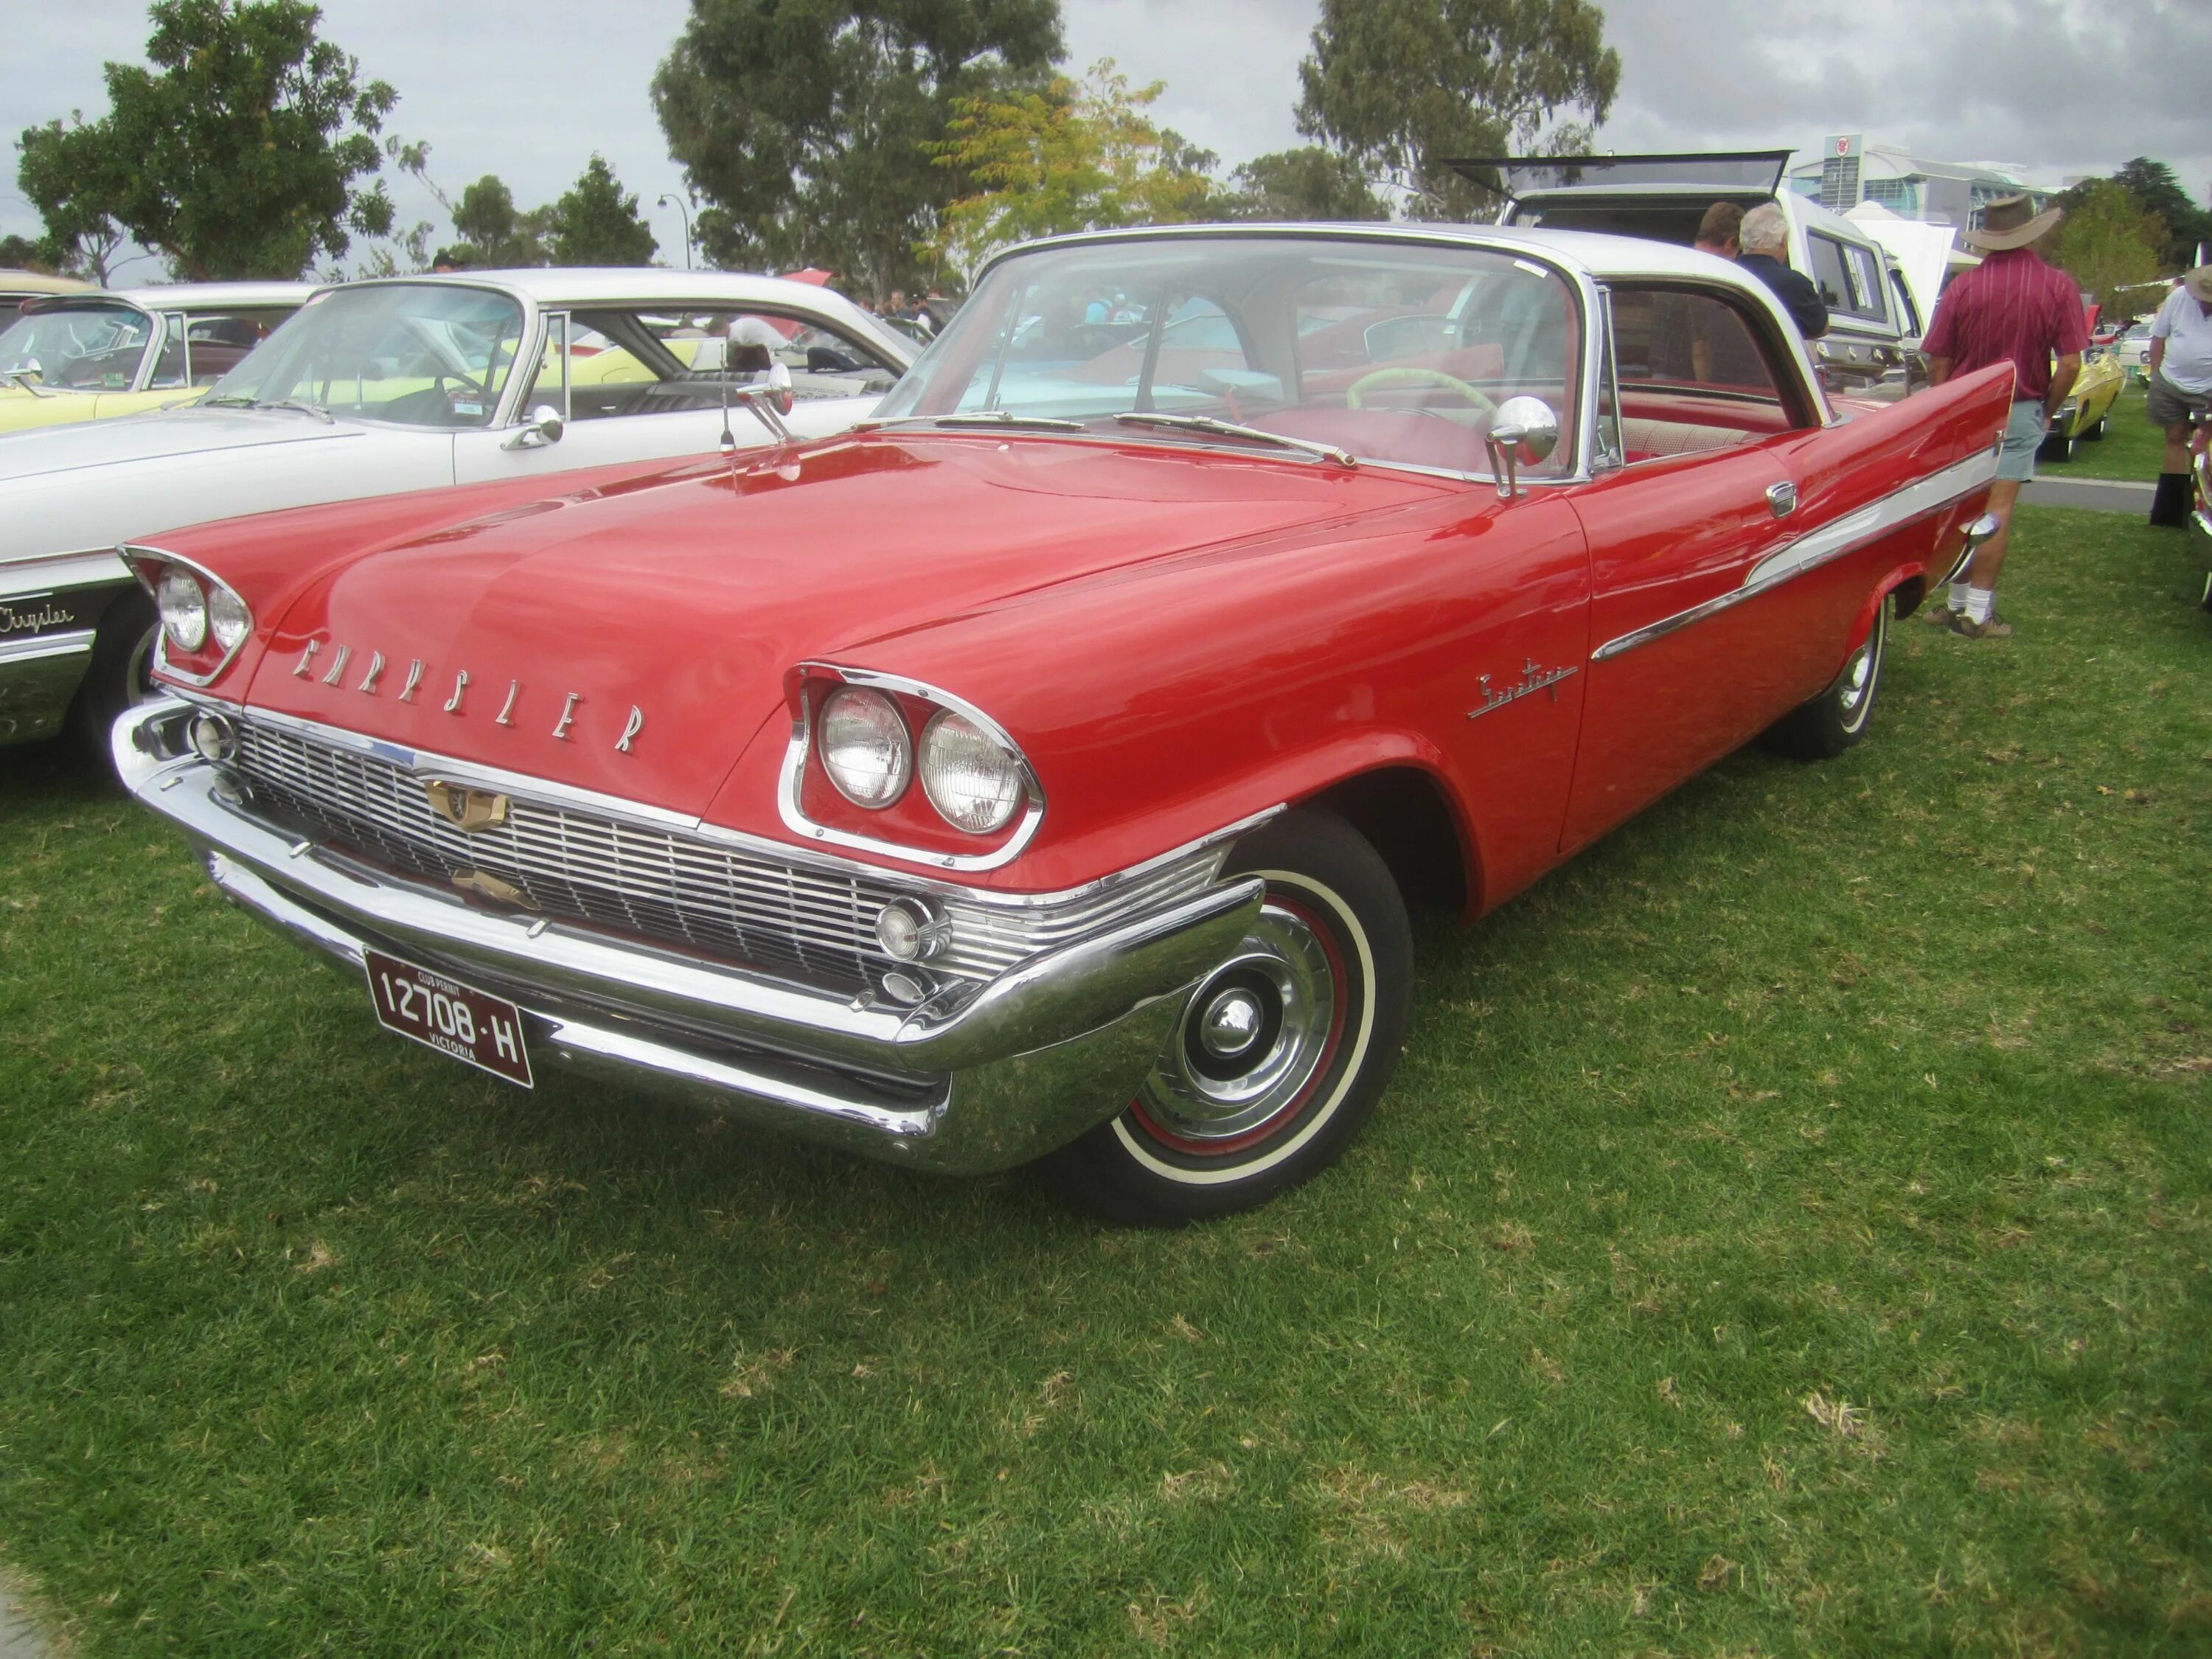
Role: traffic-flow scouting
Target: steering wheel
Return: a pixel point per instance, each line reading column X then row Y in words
column 1412, row 374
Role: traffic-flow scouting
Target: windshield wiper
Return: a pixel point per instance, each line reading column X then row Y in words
column 1207, row 424
column 302, row 405
column 987, row 418
column 228, row 400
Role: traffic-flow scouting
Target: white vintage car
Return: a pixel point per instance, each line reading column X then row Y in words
column 406, row 384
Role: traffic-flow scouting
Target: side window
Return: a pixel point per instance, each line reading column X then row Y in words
column 667, row 361
column 1865, row 272
column 1828, row 273
column 216, row 342
column 1695, row 373
column 1847, row 277
column 173, row 367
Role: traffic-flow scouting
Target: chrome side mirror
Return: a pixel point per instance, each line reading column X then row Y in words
column 770, row 402
column 1525, row 432
column 542, row 429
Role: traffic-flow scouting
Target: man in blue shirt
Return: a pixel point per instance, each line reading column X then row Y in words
column 1765, row 239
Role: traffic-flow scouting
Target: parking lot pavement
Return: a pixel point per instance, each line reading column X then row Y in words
column 18, row 1639
column 2101, row 495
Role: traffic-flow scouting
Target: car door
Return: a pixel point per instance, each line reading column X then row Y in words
column 638, row 384
column 1705, row 410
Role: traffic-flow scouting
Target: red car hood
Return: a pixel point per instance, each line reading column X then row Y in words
column 685, row 597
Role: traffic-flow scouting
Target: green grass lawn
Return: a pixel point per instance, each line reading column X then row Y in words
column 1790, row 1232
column 2131, row 448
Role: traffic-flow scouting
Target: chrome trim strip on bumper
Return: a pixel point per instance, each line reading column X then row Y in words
column 1801, row 554
column 981, row 1078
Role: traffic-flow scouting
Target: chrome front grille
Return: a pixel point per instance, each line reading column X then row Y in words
column 808, row 922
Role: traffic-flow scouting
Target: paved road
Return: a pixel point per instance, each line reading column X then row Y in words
column 2103, row 495
column 18, row 1640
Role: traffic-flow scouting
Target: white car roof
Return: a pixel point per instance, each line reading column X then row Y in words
column 193, row 296
column 1600, row 257
column 585, row 285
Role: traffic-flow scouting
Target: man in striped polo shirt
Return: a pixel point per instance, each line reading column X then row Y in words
column 2011, row 308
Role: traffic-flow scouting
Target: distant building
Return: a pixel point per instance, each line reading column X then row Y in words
column 1849, row 171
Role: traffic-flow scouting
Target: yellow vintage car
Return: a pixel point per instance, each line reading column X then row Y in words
column 17, row 286
column 92, row 355
column 2088, row 410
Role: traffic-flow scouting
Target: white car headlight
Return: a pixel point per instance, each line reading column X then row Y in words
column 970, row 777
column 184, row 609
column 865, row 747
column 227, row 616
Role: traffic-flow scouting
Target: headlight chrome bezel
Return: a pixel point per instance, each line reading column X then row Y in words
column 812, row 685
column 227, row 620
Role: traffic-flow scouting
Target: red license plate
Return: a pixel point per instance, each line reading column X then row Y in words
column 453, row 1019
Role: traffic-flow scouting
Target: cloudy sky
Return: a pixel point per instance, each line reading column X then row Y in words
column 528, row 91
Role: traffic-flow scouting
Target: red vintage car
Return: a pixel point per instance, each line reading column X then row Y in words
column 1041, row 773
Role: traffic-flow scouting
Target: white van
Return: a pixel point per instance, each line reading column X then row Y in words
column 1872, row 348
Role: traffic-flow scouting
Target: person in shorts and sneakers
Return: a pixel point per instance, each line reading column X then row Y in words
column 2011, row 308
column 2180, row 386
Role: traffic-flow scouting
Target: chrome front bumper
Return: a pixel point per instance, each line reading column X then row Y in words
column 1011, row 1069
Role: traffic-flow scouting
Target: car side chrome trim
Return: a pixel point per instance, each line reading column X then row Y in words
column 546, row 790
column 1801, row 554
column 75, row 642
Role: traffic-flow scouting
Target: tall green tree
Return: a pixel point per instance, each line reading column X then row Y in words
column 808, row 125
column 596, row 224
column 1399, row 85
column 495, row 233
column 2110, row 245
column 2159, row 193
column 1070, row 156
column 1310, row 182
column 242, row 152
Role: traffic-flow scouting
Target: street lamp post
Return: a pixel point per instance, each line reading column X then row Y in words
column 677, row 202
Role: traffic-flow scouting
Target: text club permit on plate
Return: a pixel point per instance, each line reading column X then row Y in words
column 443, row 1014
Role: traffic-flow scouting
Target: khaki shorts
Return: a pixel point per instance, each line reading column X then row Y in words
column 2170, row 406
column 2024, row 434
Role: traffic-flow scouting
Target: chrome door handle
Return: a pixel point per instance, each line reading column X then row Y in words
column 1782, row 499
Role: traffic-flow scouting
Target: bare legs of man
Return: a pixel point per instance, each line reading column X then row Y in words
column 1971, row 608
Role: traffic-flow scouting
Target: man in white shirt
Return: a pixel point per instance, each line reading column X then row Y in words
column 2180, row 386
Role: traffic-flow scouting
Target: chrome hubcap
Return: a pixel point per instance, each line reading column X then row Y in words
column 1251, row 1037
column 1231, row 1024
column 1858, row 674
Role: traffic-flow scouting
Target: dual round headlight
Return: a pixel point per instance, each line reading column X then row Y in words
column 972, row 779
column 190, row 612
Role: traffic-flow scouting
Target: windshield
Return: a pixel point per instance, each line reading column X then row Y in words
column 1395, row 352
column 95, row 347
column 412, row 354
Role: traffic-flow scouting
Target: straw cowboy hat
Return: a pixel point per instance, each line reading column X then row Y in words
column 2199, row 282
column 2011, row 221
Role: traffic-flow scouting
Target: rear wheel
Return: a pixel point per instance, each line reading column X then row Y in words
column 2060, row 446
column 2096, row 433
column 120, row 676
column 1838, row 717
column 1278, row 1056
